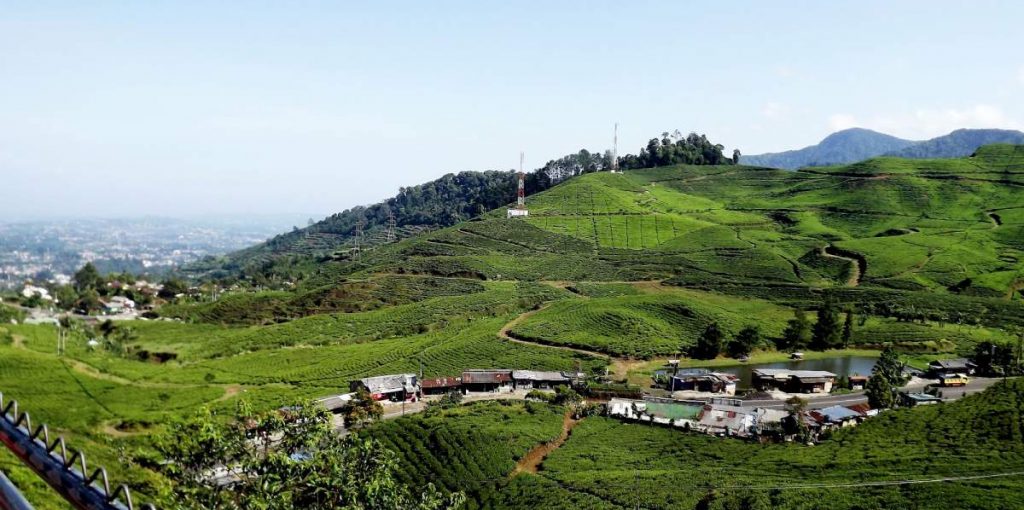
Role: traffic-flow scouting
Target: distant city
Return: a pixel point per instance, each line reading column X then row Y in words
column 52, row 250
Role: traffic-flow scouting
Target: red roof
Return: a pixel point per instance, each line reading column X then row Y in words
column 861, row 408
column 441, row 382
column 486, row 376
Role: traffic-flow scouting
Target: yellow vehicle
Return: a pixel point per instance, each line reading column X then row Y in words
column 953, row 380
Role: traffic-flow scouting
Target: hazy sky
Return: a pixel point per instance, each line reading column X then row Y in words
column 190, row 108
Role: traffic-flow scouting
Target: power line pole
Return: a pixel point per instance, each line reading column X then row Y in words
column 391, row 227
column 359, row 237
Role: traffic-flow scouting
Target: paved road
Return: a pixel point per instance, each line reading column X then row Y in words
column 392, row 410
column 976, row 385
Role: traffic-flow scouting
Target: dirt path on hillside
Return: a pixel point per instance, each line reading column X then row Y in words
column 533, row 459
column 997, row 221
column 620, row 367
column 18, row 341
column 855, row 265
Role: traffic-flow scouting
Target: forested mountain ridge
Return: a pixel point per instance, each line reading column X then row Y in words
column 856, row 144
column 846, row 146
column 959, row 143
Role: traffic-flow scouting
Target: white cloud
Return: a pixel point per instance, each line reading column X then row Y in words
column 840, row 121
column 773, row 110
column 930, row 122
column 784, row 72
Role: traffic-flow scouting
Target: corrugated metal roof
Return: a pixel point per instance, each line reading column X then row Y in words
column 534, row 375
column 486, row 376
column 440, row 382
column 389, row 383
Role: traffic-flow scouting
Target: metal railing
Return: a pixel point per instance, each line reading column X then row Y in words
column 64, row 470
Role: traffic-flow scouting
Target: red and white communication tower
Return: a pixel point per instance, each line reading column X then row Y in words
column 520, row 210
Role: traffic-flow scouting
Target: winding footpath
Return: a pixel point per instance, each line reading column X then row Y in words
column 856, row 272
column 620, row 367
column 533, row 459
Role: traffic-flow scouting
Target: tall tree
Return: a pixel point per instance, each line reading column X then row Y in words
column 847, row 329
column 827, row 333
column 797, row 333
column 747, row 340
column 735, row 156
column 363, row 409
column 709, row 345
column 880, row 392
column 889, row 367
column 87, row 278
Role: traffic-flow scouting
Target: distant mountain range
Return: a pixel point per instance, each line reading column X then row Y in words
column 857, row 144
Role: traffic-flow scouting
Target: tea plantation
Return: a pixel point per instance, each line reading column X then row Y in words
column 927, row 255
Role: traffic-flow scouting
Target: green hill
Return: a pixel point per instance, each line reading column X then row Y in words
column 856, row 144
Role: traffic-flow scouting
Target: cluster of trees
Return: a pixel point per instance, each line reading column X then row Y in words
column 833, row 330
column 676, row 149
column 288, row 458
column 999, row 359
column 828, row 332
column 712, row 342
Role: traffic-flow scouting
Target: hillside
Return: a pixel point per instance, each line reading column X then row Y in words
column 959, row 143
column 846, row 146
column 607, row 464
column 856, row 144
column 610, row 272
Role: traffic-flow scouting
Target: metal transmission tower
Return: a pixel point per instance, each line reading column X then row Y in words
column 359, row 237
column 66, row 471
column 615, row 150
column 391, row 227
column 520, row 210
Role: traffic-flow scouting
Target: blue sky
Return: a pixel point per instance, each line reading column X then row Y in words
column 194, row 108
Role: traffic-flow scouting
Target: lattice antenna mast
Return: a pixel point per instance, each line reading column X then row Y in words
column 359, row 237
column 521, row 194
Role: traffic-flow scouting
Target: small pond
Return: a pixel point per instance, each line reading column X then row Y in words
column 841, row 366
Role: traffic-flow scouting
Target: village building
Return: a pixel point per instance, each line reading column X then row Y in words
column 952, row 366
column 701, row 380
column 533, row 379
column 440, row 385
column 487, row 381
column 793, row 381
column 864, row 409
column 395, row 387
column 836, row 417
column 858, row 382
column 726, row 420
column 918, row 399
column 32, row 291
